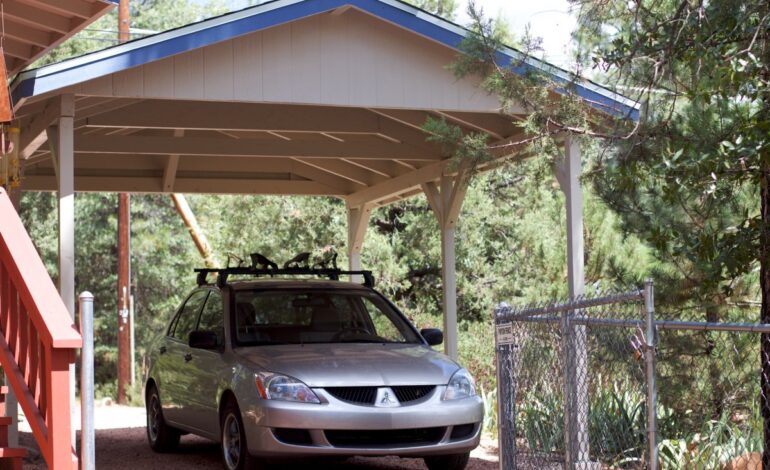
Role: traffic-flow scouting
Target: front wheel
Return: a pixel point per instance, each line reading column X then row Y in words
column 448, row 462
column 161, row 436
column 235, row 451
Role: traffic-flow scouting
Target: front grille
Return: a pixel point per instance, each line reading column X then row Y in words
column 385, row 438
column 367, row 395
column 357, row 395
column 412, row 393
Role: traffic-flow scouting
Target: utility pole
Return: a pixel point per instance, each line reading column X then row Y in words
column 124, row 256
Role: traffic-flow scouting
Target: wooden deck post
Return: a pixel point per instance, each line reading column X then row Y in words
column 446, row 202
column 63, row 149
column 358, row 221
column 11, row 402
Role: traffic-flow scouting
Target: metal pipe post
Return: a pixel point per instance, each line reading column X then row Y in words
column 649, row 357
column 506, row 398
column 570, row 416
column 87, row 436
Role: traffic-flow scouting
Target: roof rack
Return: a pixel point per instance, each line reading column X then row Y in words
column 331, row 274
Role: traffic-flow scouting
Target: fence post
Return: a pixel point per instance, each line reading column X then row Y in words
column 649, row 359
column 87, row 451
column 506, row 394
column 570, row 417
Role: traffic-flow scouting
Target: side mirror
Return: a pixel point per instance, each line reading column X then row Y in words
column 433, row 336
column 204, row 339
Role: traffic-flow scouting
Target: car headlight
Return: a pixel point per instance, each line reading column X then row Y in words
column 282, row 387
column 461, row 385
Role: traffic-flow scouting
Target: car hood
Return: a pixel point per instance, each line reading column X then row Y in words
column 352, row 365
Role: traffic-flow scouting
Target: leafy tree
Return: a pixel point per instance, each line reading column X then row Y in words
column 692, row 178
column 445, row 8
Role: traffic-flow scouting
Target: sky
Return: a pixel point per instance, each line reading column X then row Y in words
column 550, row 20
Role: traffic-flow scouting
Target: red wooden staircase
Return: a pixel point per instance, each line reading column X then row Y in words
column 38, row 341
column 10, row 458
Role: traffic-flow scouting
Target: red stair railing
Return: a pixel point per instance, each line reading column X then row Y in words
column 38, row 340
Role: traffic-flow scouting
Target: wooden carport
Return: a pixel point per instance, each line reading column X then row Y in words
column 313, row 97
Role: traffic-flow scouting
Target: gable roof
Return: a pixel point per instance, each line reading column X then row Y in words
column 194, row 36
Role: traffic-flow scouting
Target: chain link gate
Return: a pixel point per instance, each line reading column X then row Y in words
column 553, row 413
column 577, row 387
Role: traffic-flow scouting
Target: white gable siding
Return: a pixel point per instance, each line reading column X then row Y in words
column 351, row 59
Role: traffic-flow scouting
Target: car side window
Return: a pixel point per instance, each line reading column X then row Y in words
column 187, row 319
column 213, row 316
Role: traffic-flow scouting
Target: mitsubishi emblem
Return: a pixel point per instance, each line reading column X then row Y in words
column 386, row 398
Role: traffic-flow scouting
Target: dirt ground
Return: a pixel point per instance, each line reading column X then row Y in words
column 121, row 444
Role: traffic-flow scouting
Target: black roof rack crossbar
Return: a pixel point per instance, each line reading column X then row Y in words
column 332, row 274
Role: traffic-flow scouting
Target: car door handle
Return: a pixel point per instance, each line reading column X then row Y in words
column 162, row 350
column 187, row 357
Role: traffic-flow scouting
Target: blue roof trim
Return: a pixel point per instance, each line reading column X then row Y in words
column 150, row 49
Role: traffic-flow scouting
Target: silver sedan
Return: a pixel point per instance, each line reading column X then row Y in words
column 277, row 368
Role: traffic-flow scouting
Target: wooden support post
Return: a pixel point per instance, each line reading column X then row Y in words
column 59, row 422
column 124, row 296
column 358, row 221
column 11, row 404
column 64, row 146
column 574, row 337
column 65, row 157
column 446, row 202
column 124, row 255
column 191, row 222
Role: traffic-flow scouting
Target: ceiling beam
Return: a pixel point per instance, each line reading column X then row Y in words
column 470, row 124
column 244, row 117
column 214, row 147
column 34, row 17
column 140, row 184
column 33, row 133
column 19, row 49
column 29, row 34
column 408, row 118
column 342, row 169
column 385, row 168
column 76, row 8
column 397, row 185
column 91, row 109
column 342, row 185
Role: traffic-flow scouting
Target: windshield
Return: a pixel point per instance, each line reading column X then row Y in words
column 307, row 316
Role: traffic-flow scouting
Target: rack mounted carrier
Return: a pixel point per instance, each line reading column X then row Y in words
column 297, row 266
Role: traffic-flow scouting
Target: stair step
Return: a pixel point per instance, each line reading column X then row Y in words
column 12, row 452
column 6, row 421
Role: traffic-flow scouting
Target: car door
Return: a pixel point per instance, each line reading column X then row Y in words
column 175, row 364
column 208, row 369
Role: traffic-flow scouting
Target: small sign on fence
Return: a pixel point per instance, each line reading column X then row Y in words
column 505, row 333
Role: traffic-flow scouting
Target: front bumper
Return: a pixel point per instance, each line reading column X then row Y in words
column 334, row 427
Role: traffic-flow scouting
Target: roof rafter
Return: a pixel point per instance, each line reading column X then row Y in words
column 249, row 147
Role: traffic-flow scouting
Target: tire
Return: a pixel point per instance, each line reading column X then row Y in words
column 161, row 437
column 448, row 462
column 233, row 445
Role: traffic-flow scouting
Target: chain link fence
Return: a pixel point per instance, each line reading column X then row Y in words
column 599, row 383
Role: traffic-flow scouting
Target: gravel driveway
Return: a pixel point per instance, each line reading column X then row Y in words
column 121, row 444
